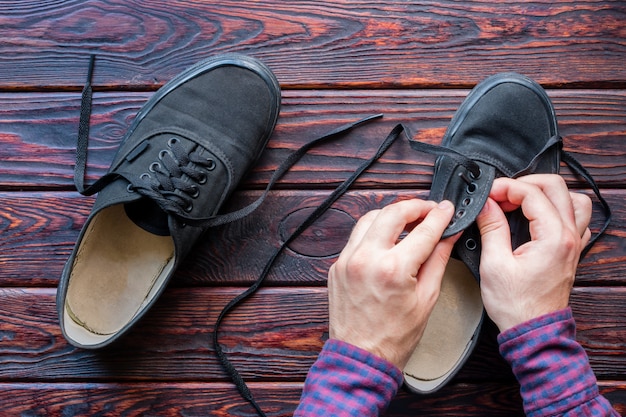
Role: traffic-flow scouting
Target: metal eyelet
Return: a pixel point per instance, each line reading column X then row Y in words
column 189, row 208
column 172, row 141
column 471, row 188
column 477, row 176
column 154, row 166
column 130, row 188
column 471, row 244
column 203, row 179
column 165, row 152
column 195, row 193
column 467, row 201
column 145, row 176
column 211, row 164
column 460, row 214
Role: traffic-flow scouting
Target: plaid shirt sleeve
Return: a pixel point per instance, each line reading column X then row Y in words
column 552, row 368
column 348, row 381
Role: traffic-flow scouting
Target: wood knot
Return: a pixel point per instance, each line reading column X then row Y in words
column 324, row 238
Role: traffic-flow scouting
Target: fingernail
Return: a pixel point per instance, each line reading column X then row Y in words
column 446, row 205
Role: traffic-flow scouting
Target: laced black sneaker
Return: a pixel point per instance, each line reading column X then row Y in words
column 505, row 127
column 186, row 151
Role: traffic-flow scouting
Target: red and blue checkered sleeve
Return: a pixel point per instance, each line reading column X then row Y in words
column 348, row 381
column 552, row 368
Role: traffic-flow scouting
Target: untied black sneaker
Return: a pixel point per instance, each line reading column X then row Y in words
column 186, row 151
column 505, row 127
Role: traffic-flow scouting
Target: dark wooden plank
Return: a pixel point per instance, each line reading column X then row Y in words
column 38, row 136
column 278, row 399
column 40, row 229
column 486, row 399
column 50, row 400
column 320, row 44
column 145, row 399
column 274, row 337
column 601, row 338
column 336, row 61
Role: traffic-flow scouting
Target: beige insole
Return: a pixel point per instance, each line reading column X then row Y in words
column 450, row 327
column 115, row 270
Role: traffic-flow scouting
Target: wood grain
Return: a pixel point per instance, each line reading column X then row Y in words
column 274, row 337
column 40, row 230
column 337, row 61
column 320, row 44
column 38, row 136
column 277, row 399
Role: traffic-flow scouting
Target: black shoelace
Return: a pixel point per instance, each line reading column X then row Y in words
column 319, row 211
column 162, row 181
column 339, row 191
column 162, row 184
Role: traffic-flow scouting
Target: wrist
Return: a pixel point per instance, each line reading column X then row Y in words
column 512, row 315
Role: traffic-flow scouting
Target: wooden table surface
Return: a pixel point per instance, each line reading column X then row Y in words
column 337, row 61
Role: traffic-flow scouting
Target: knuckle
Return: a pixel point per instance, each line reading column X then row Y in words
column 556, row 180
column 355, row 266
column 586, row 202
column 430, row 297
column 569, row 242
column 386, row 267
column 358, row 265
column 582, row 201
column 391, row 210
column 428, row 231
column 489, row 224
column 362, row 268
column 534, row 189
column 370, row 215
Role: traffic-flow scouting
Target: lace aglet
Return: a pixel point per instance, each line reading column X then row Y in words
column 368, row 119
column 92, row 62
column 83, row 131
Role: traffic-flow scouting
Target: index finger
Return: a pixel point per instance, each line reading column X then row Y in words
column 393, row 219
column 555, row 189
column 536, row 206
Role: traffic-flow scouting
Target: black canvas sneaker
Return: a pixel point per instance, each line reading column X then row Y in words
column 186, row 151
column 506, row 127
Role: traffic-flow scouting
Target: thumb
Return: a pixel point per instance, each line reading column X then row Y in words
column 494, row 229
column 431, row 272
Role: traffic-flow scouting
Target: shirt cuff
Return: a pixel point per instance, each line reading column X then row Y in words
column 348, row 381
column 349, row 351
column 552, row 368
column 564, row 315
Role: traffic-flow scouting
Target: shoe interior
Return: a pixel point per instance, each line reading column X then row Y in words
column 118, row 270
column 450, row 334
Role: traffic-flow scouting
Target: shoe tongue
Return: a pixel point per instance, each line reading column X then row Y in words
column 146, row 214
